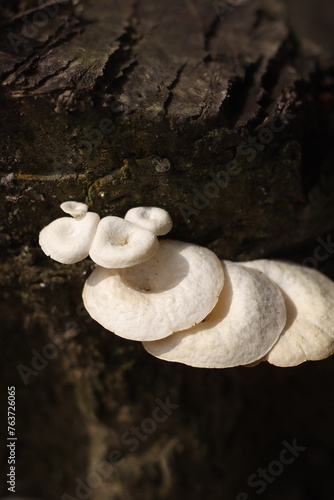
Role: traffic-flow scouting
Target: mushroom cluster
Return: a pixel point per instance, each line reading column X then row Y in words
column 183, row 303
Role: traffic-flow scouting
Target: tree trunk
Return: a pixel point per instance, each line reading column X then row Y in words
column 216, row 112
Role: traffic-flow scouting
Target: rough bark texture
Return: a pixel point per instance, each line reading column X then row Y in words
column 123, row 103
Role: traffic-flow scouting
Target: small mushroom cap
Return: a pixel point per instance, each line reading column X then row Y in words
column 119, row 243
column 74, row 208
column 309, row 296
column 67, row 240
column 154, row 219
column 172, row 291
column 244, row 325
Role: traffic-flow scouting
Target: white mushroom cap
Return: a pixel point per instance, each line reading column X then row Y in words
column 68, row 240
column 119, row 243
column 154, row 219
column 309, row 297
column 172, row 291
column 244, row 325
column 74, row 208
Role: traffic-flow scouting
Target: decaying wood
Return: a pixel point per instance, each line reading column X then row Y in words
column 216, row 114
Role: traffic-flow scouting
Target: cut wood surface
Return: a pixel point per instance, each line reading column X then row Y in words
column 124, row 104
column 218, row 113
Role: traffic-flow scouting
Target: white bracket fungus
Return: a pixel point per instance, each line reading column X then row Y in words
column 243, row 326
column 118, row 243
column 68, row 239
column 183, row 303
column 74, row 208
column 172, row 291
column 309, row 299
column 154, row 219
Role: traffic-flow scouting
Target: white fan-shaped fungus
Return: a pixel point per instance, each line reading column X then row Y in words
column 309, row 298
column 173, row 290
column 68, row 239
column 243, row 326
column 119, row 243
column 154, row 219
column 74, row 208
column 172, row 296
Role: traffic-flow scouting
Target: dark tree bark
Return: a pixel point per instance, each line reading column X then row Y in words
column 217, row 113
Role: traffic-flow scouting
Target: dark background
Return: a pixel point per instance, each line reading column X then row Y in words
column 210, row 445
column 313, row 20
